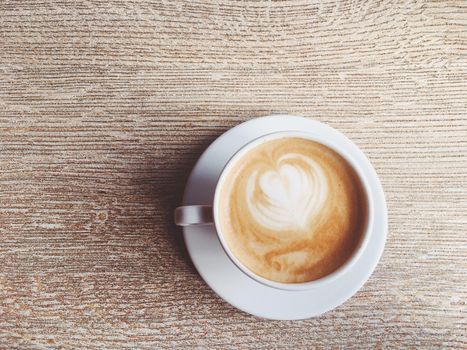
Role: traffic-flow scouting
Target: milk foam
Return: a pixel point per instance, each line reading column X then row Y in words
column 292, row 210
column 290, row 194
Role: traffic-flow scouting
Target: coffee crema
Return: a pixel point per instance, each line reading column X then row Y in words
column 292, row 210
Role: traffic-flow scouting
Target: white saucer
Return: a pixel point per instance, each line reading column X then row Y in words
column 225, row 278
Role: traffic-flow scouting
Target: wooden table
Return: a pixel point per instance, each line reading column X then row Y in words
column 106, row 105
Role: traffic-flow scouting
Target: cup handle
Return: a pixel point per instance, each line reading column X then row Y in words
column 193, row 215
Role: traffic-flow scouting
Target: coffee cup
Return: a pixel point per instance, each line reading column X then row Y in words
column 292, row 210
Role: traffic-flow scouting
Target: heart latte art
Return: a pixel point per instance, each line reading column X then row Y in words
column 288, row 195
column 292, row 210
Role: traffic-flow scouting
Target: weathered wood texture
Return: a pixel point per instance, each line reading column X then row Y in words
column 105, row 106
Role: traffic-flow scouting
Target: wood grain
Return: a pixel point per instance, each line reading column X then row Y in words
column 106, row 105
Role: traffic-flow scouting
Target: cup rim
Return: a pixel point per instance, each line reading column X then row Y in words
column 300, row 286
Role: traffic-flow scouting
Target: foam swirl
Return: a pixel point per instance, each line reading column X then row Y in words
column 292, row 210
column 289, row 195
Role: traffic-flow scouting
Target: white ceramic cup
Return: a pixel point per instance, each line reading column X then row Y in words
column 209, row 214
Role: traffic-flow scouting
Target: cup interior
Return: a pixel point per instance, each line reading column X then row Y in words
column 361, row 245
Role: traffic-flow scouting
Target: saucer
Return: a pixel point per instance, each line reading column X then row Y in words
column 219, row 271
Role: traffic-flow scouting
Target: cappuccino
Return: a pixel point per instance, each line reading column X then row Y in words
column 292, row 210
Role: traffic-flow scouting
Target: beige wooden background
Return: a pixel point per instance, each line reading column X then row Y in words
column 106, row 105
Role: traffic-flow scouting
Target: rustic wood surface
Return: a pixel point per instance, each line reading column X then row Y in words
column 106, row 105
